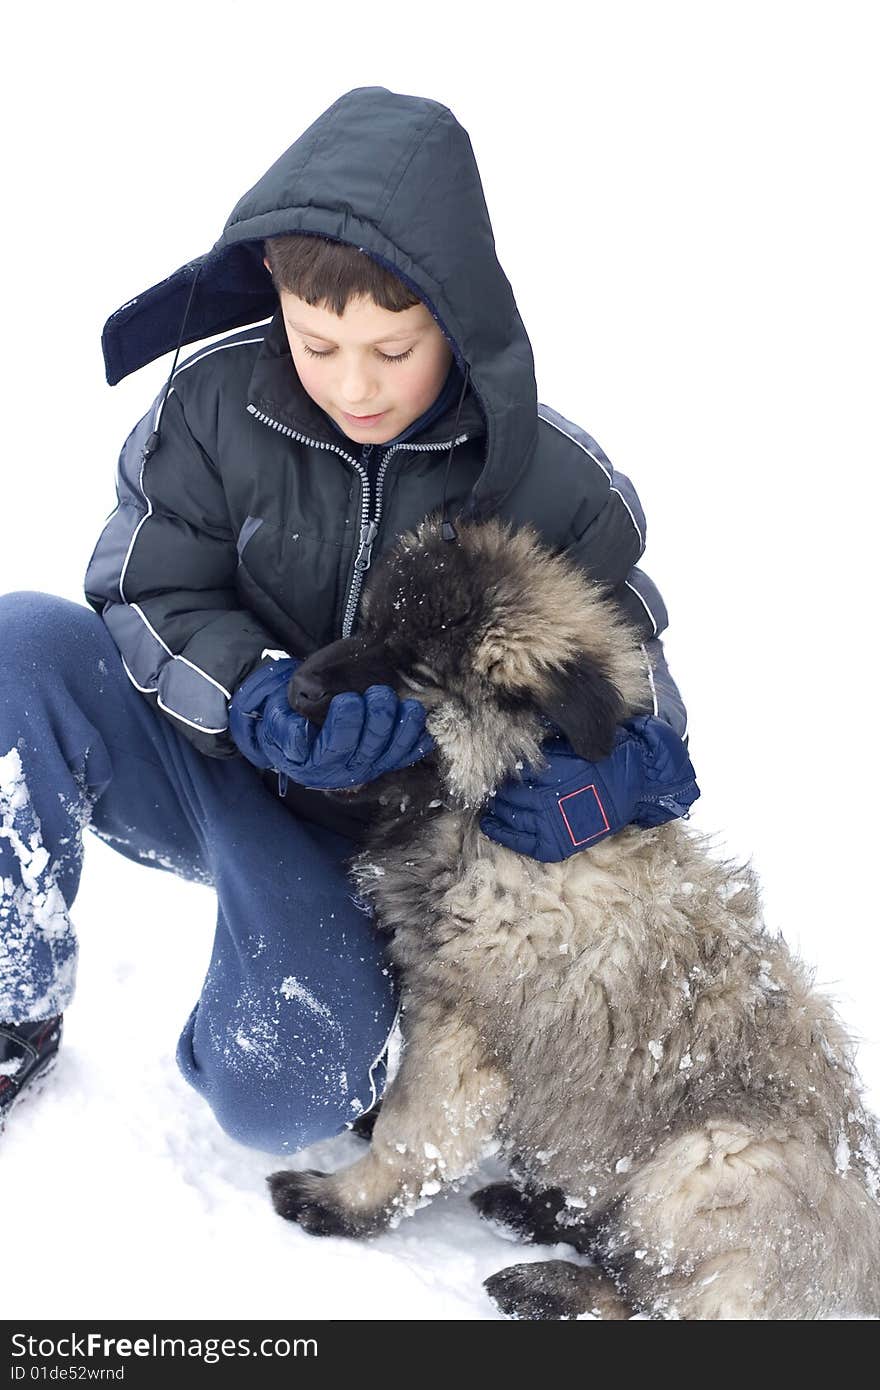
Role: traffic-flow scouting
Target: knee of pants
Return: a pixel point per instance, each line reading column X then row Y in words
column 279, row 1124
column 37, row 628
column 280, row 1109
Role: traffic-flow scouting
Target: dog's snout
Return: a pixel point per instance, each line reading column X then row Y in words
column 307, row 695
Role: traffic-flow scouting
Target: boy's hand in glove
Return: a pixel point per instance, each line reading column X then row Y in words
column 570, row 804
column 363, row 736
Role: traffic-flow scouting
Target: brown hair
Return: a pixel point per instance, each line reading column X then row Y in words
column 329, row 273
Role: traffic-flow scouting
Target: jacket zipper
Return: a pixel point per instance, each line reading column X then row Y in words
column 369, row 528
column 669, row 800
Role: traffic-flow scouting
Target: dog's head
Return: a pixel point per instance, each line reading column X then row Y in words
column 499, row 639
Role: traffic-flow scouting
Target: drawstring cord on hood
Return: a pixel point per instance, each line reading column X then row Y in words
column 447, row 530
column 152, row 443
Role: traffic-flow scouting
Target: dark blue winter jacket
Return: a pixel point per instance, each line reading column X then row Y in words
column 246, row 518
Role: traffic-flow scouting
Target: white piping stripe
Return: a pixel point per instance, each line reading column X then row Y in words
column 160, row 406
column 215, row 347
column 199, row 672
column 210, row 679
column 135, row 607
column 145, row 620
column 632, row 519
column 643, row 603
column 149, row 513
column 378, row 1059
column 191, row 362
column 201, row 727
column 651, row 679
column 608, row 475
column 175, row 657
column 154, row 690
column 144, row 689
column 566, row 435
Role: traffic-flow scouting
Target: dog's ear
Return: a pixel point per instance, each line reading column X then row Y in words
column 586, row 707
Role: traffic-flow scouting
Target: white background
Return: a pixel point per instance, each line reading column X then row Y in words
column 684, row 199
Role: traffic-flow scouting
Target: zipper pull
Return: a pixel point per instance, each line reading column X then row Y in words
column 368, row 535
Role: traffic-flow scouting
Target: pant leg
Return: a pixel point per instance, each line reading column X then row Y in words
column 298, row 1002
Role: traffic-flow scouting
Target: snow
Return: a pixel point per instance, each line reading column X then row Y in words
column 34, row 910
column 119, row 1169
column 716, row 339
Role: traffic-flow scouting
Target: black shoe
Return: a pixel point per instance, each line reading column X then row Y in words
column 363, row 1125
column 27, row 1055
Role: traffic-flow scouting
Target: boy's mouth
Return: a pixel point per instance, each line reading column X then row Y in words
column 364, row 419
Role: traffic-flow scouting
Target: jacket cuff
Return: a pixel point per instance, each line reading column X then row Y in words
column 670, row 781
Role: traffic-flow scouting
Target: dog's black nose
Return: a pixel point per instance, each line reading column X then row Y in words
column 307, row 687
column 306, row 694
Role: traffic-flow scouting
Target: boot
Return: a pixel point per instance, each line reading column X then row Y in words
column 27, row 1055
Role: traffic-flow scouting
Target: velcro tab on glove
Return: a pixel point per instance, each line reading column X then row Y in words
column 584, row 815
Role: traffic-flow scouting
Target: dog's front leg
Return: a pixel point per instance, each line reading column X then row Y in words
column 437, row 1121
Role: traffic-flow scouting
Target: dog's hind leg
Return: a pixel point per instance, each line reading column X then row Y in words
column 437, row 1119
column 727, row 1223
column 555, row 1289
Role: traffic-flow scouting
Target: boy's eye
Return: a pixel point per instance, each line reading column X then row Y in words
column 401, row 356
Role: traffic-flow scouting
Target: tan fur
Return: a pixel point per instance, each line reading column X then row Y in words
column 621, row 1022
column 436, row 1125
column 547, row 617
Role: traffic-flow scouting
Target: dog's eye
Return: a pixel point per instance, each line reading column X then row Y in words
column 419, row 678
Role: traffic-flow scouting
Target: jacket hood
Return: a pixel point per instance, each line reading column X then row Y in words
column 394, row 175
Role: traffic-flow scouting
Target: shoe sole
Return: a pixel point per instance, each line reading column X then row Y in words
column 33, row 1088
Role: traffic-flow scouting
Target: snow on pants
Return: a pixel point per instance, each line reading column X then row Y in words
column 287, row 1040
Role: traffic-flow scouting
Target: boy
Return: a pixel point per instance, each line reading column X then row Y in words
column 278, row 463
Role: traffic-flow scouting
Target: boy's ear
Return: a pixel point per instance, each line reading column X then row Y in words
column 586, row 707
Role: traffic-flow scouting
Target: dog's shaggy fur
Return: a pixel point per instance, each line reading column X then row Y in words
column 676, row 1101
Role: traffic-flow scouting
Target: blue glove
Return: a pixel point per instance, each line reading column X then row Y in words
column 549, row 815
column 362, row 737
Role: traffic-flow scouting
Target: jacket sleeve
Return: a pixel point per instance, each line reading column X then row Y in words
column 162, row 576
column 609, row 539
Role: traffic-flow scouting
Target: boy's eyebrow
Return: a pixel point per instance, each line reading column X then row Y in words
column 386, row 337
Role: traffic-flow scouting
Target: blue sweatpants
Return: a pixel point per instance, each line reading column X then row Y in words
column 287, row 1040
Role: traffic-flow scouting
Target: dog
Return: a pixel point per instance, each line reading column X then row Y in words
column 672, row 1097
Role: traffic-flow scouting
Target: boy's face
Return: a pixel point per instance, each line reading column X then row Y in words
column 353, row 375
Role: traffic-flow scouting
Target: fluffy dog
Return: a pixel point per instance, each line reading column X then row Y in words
column 674, row 1098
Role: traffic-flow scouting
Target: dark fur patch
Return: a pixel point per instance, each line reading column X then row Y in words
column 531, row 1215
column 556, row 1289
column 351, row 663
column 550, row 1289
column 586, row 707
column 537, row 1217
column 295, row 1196
column 364, row 1125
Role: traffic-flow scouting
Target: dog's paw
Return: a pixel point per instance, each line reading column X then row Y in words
column 526, row 1291
column 297, row 1197
column 554, row 1289
column 532, row 1216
